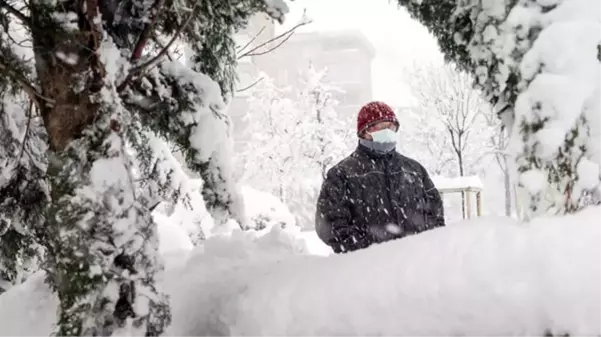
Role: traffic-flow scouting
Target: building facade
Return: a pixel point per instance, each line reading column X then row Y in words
column 347, row 56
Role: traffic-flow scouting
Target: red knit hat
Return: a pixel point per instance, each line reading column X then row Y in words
column 373, row 113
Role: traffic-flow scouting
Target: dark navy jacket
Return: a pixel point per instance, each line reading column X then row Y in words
column 372, row 198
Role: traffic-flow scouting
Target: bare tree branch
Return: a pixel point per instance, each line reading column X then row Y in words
column 21, row 43
column 163, row 52
column 251, row 85
column 30, row 110
column 139, row 69
column 146, row 33
column 285, row 35
column 273, row 48
column 162, row 46
column 239, row 50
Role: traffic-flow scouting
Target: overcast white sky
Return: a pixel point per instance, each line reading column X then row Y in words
column 399, row 40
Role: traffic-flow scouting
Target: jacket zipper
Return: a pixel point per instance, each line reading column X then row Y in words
column 389, row 190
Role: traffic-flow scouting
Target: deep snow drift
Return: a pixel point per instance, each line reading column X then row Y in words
column 480, row 277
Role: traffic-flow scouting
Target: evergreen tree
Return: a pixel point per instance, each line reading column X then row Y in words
column 538, row 62
column 100, row 88
column 459, row 27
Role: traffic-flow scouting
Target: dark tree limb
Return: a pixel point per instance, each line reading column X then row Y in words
column 18, row 14
column 33, row 93
column 30, row 110
column 156, row 40
column 251, row 40
column 139, row 69
column 147, row 32
column 251, row 85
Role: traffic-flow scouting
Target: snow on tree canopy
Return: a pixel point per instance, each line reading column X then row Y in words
column 208, row 128
column 277, row 9
column 557, row 114
column 22, row 193
column 539, row 61
column 208, row 104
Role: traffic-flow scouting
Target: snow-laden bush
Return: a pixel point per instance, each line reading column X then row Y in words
column 190, row 218
column 265, row 210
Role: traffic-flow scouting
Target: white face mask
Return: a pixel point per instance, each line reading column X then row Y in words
column 384, row 136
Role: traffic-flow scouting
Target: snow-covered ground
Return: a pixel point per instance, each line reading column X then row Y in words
column 490, row 276
column 314, row 244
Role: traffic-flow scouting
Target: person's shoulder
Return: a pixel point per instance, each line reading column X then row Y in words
column 410, row 163
column 344, row 166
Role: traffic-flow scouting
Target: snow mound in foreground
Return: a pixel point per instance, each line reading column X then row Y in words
column 480, row 277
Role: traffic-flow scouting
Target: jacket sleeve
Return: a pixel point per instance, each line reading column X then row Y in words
column 333, row 212
column 434, row 204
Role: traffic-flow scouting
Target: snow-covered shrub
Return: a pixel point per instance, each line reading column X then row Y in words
column 265, row 210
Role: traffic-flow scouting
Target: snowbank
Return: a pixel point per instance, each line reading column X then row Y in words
column 314, row 244
column 172, row 237
column 29, row 309
column 487, row 277
column 481, row 277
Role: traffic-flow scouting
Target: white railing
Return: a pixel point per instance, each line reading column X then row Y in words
column 467, row 186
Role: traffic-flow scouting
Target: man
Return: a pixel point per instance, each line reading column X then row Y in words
column 376, row 194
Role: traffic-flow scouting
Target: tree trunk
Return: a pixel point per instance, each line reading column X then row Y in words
column 71, row 79
column 461, row 173
column 95, row 219
column 507, row 183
